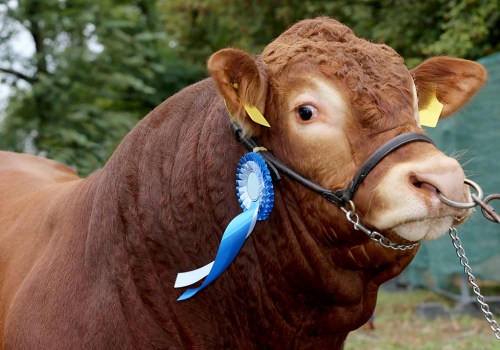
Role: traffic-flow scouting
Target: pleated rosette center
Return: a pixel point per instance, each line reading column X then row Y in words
column 254, row 184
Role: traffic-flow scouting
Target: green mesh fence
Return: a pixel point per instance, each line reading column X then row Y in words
column 473, row 133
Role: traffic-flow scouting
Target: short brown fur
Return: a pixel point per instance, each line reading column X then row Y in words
column 90, row 263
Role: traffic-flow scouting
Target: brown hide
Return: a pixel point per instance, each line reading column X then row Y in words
column 91, row 263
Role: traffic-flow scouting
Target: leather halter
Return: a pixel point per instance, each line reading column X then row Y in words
column 338, row 197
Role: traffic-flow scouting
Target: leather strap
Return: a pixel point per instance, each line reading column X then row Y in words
column 338, row 197
column 377, row 157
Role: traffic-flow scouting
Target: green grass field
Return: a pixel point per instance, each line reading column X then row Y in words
column 398, row 327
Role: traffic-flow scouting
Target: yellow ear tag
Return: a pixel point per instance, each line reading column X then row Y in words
column 254, row 114
column 429, row 116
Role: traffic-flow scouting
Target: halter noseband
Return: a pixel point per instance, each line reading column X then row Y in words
column 338, row 197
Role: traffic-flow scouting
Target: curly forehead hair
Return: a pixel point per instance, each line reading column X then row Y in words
column 373, row 74
column 308, row 38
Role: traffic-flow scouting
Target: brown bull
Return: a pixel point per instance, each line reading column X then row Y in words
column 90, row 263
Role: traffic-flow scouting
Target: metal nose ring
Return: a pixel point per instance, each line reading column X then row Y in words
column 479, row 195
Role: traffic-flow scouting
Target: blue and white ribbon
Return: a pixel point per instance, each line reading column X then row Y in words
column 256, row 197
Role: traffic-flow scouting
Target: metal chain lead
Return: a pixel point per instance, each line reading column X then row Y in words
column 457, row 243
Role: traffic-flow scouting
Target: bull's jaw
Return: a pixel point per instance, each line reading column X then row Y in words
column 428, row 229
column 433, row 223
column 433, row 227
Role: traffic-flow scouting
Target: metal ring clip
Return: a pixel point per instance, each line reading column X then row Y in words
column 467, row 205
column 491, row 216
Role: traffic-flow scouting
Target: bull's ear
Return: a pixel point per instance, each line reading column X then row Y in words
column 452, row 80
column 242, row 83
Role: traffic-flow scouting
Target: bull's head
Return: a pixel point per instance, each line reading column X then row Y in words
column 332, row 99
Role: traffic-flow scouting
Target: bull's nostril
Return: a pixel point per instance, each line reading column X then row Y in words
column 422, row 185
column 414, row 181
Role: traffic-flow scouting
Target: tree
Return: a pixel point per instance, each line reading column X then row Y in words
column 100, row 66
column 97, row 69
column 417, row 30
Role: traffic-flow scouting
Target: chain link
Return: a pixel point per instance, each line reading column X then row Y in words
column 457, row 243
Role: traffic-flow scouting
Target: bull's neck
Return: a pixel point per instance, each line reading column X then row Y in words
column 170, row 194
column 298, row 297
column 302, row 284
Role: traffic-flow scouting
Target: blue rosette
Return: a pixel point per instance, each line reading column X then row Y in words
column 254, row 184
column 255, row 193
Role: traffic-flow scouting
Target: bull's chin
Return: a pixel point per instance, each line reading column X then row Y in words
column 425, row 229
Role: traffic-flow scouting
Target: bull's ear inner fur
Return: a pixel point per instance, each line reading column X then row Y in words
column 241, row 81
column 453, row 81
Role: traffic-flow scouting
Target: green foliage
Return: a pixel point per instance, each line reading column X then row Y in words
column 97, row 70
column 100, row 66
column 464, row 28
column 469, row 29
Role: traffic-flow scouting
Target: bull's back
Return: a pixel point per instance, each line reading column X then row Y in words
column 22, row 179
column 29, row 185
column 28, row 166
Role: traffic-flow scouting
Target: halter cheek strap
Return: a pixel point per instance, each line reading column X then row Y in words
column 338, row 197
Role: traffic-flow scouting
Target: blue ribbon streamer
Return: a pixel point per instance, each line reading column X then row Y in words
column 255, row 194
column 232, row 241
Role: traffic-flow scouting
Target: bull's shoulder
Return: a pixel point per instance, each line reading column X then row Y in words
column 17, row 165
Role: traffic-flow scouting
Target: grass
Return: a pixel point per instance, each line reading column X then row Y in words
column 399, row 327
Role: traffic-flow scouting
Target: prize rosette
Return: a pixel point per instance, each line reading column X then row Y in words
column 254, row 184
column 255, row 193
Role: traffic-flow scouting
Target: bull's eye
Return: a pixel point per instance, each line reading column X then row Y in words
column 307, row 112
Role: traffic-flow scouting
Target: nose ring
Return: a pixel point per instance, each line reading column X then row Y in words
column 479, row 195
